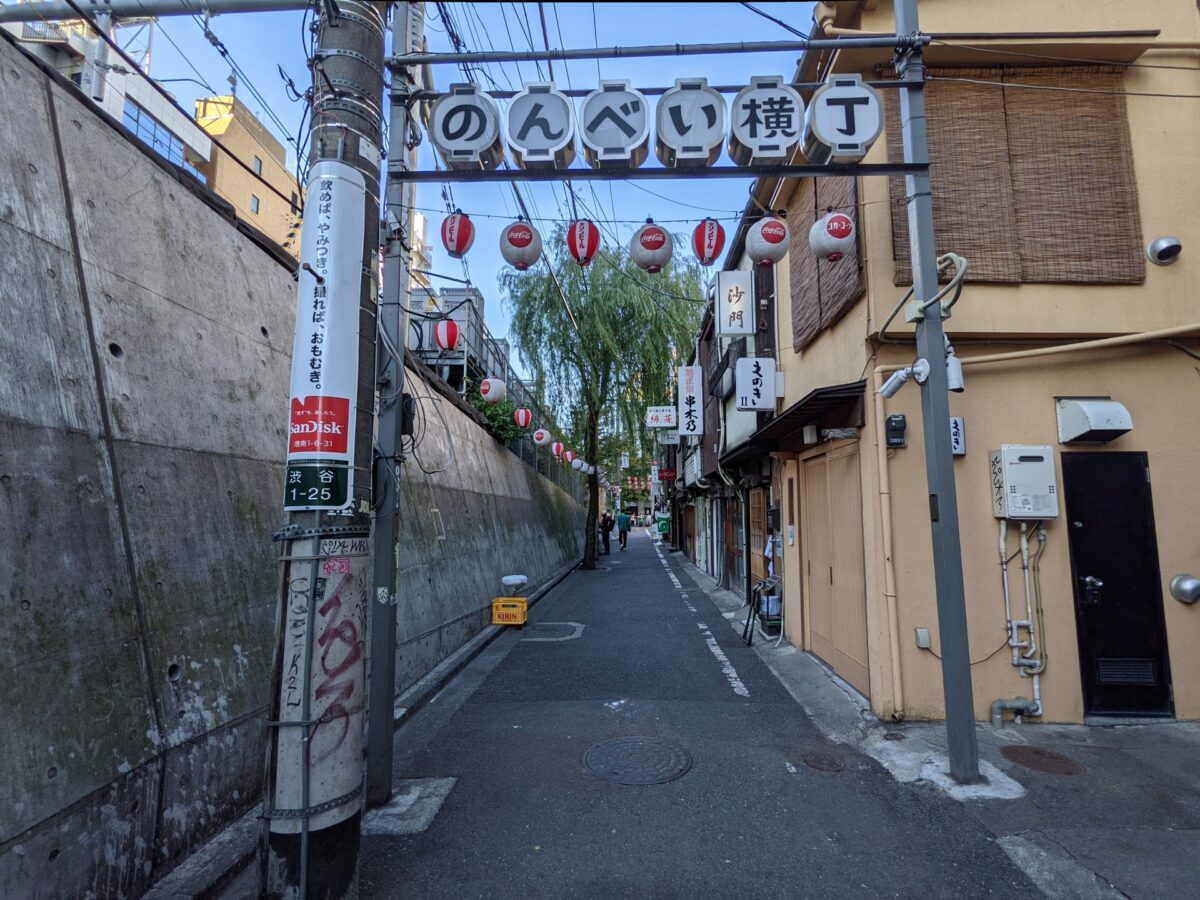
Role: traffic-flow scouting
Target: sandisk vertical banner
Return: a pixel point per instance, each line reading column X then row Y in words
column 320, row 457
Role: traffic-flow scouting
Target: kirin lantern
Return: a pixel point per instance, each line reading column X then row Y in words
column 568, row 456
column 767, row 241
column 559, row 449
column 458, row 234
column 708, row 240
column 651, row 247
column 446, row 334
column 583, row 240
column 522, row 416
column 520, row 245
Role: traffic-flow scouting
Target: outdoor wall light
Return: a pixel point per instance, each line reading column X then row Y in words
column 1164, row 250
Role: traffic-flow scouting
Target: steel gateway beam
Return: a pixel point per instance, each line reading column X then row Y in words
column 477, row 175
column 52, row 10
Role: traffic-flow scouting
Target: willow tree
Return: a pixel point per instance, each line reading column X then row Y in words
column 620, row 353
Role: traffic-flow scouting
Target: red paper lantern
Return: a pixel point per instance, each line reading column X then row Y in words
column 568, row 456
column 651, row 247
column 558, row 448
column 446, row 334
column 708, row 240
column 520, row 245
column 583, row 240
column 458, row 234
column 767, row 241
column 522, row 416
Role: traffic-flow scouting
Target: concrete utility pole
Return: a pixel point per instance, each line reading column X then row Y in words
column 935, row 414
column 314, row 790
column 408, row 26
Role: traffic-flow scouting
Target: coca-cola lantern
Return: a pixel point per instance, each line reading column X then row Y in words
column 583, row 240
column 767, row 241
column 520, row 245
column 832, row 236
column 651, row 247
column 522, row 416
column 542, row 437
column 493, row 390
column 577, row 464
column 458, row 234
column 558, row 449
column 708, row 240
column 568, row 456
column 446, row 334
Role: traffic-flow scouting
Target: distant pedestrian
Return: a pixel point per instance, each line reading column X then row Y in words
column 607, row 524
column 623, row 525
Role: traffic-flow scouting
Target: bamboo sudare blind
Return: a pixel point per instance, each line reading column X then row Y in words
column 1029, row 184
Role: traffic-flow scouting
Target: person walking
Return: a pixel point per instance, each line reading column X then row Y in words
column 607, row 523
column 623, row 525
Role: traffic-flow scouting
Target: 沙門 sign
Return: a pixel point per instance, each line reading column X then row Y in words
column 691, row 408
column 660, row 417
column 325, row 347
column 755, row 383
column 735, row 306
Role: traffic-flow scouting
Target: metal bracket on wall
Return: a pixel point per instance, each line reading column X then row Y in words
column 311, row 811
column 294, row 532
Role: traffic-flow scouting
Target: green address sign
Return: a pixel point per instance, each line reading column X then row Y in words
column 316, row 485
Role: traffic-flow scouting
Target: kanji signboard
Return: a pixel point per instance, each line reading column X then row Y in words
column 660, row 417
column 843, row 120
column 464, row 126
column 691, row 406
column 614, row 124
column 766, row 117
column 325, row 346
column 754, row 380
column 735, row 305
column 541, row 127
column 690, row 124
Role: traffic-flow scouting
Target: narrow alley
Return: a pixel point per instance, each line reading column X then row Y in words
column 637, row 649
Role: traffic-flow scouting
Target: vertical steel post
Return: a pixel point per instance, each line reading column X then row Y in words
column 935, row 411
column 407, row 28
column 314, row 790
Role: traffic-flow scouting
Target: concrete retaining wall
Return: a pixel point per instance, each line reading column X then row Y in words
column 144, row 362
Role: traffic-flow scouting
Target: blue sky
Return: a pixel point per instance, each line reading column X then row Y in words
column 262, row 42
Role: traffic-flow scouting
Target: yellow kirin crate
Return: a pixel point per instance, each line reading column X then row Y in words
column 510, row 611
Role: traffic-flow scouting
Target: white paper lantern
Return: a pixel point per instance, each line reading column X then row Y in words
column 493, row 390
column 832, row 236
column 542, row 437
column 767, row 241
column 577, row 464
column 651, row 247
column 520, row 245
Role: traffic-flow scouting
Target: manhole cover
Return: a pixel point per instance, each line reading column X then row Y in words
column 823, row 763
column 637, row 760
column 1041, row 759
column 893, row 736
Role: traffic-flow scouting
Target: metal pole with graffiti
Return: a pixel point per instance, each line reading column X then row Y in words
column 314, row 790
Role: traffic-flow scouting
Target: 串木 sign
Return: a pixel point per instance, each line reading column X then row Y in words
column 691, row 407
column 755, row 383
column 325, row 347
column 735, row 306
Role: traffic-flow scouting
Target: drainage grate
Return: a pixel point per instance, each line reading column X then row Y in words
column 637, row 760
column 822, row 762
column 1040, row 759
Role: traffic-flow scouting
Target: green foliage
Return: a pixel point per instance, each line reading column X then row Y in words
column 634, row 330
column 499, row 415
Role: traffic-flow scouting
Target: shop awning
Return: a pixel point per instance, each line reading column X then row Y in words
column 784, row 432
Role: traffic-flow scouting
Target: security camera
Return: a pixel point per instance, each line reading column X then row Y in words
column 954, row 370
column 1164, row 250
column 892, row 386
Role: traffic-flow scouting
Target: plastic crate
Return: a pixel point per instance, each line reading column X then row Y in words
column 510, row 611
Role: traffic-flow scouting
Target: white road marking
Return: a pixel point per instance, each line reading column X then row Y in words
column 731, row 674
column 576, row 631
column 412, row 808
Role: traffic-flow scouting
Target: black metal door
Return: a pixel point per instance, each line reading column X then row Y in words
column 1118, row 598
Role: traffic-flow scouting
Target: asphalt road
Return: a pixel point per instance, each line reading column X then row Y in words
column 768, row 807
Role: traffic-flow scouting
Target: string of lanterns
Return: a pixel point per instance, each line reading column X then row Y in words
column 651, row 248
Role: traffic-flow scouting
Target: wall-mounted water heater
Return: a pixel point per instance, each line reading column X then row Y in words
column 1024, row 486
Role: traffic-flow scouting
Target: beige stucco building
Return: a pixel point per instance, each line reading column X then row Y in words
column 272, row 207
column 1055, row 161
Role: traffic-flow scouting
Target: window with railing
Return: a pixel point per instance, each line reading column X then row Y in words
column 155, row 135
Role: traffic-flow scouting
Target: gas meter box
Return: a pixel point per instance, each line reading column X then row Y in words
column 1024, row 486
